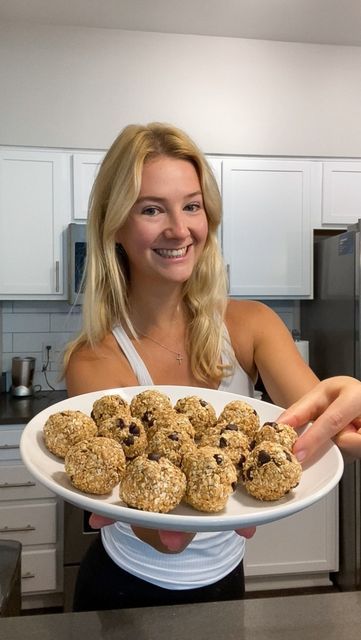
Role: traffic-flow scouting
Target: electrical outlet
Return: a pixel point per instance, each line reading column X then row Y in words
column 48, row 353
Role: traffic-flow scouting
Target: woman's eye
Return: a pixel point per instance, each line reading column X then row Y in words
column 150, row 211
column 192, row 206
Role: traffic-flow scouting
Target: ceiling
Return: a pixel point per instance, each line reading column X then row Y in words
column 309, row 21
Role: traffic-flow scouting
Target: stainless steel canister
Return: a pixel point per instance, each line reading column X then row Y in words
column 22, row 374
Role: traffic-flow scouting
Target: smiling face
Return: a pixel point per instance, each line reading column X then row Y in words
column 166, row 230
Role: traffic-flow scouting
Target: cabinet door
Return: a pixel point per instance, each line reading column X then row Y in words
column 34, row 186
column 267, row 237
column 341, row 192
column 85, row 169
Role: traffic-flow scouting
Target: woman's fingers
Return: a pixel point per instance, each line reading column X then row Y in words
column 175, row 541
column 247, row 532
column 97, row 522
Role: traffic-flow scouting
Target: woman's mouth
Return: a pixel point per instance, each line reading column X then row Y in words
column 171, row 253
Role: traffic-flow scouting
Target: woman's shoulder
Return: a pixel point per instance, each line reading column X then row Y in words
column 251, row 311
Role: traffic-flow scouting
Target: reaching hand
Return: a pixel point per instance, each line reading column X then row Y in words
column 334, row 405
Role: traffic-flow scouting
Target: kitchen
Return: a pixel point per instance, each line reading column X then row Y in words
column 269, row 99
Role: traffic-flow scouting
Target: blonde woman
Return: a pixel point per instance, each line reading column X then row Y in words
column 156, row 312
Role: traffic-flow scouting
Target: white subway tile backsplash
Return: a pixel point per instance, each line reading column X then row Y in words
column 40, row 306
column 26, row 322
column 7, row 342
column 65, row 322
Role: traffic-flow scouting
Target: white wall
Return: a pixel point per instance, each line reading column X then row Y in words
column 77, row 87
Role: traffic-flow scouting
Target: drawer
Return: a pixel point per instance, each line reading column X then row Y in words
column 9, row 444
column 38, row 570
column 29, row 523
column 16, row 483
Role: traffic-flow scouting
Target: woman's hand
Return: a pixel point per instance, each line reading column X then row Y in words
column 334, row 406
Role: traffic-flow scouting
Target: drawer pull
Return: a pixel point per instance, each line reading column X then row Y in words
column 9, row 446
column 8, row 485
column 28, row 527
column 28, row 574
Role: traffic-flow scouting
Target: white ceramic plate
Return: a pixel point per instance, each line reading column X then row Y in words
column 242, row 510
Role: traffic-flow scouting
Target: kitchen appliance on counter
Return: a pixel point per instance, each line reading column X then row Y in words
column 331, row 322
column 22, row 374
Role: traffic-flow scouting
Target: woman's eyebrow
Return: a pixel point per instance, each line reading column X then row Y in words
column 159, row 199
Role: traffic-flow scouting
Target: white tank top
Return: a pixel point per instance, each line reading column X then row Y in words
column 210, row 556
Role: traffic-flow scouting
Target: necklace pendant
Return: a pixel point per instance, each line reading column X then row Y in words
column 179, row 358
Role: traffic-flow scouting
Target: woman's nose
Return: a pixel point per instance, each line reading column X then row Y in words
column 176, row 225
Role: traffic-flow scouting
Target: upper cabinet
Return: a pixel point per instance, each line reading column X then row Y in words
column 341, row 193
column 85, row 167
column 34, row 214
column 267, row 232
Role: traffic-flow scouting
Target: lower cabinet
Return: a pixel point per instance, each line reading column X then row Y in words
column 29, row 513
column 297, row 551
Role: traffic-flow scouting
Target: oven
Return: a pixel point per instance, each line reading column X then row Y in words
column 78, row 536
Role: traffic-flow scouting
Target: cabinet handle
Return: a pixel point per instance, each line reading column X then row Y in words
column 57, row 287
column 9, row 446
column 8, row 485
column 28, row 527
column 28, row 574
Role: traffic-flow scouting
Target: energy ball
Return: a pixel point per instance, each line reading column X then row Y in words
column 172, row 420
column 284, row 434
column 109, row 407
column 150, row 405
column 95, row 466
column 171, row 443
column 200, row 413
column 128, row 431
column 271, row 471
column 231, row 439
column 152, row 483
column 64, row 429
column 211, row 478
column 242, row 414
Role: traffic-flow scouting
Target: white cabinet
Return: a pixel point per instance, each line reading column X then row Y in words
column 298, row 551
column 267, row 233
column 29, row 513
column 85, row 169
column 34, row 213
column 341, row 192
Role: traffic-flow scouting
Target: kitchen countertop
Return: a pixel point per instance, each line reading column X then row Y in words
column 21, row 410
column 310, row 617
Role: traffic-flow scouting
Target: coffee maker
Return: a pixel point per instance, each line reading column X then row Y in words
column 22, row 374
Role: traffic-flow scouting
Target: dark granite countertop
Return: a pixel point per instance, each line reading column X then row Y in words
column 332, row 616
column 21, row 410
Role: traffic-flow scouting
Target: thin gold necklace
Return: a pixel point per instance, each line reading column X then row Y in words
column 177, row 354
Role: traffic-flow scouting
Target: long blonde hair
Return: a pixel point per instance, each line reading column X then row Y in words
column 116, row 188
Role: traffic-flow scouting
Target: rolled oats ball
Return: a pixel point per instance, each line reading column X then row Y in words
column 276, row 432
column 200, row 413
column 211, row 478
column 242, row 414
column 110, row 406
column 64, row 429
column 171, row 443
column 95, row 466
column 271, row 471
column 128, row 431
column 231, row 439
column 152, row 483
column 172, row 420
column 149, row 405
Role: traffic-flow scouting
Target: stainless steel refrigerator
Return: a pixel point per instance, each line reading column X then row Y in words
column 331, row 323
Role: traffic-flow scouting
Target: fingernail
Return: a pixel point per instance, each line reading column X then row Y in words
column 300, row 455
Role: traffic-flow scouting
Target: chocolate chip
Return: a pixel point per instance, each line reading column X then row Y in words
column 154, row 456
column 148, row 418
column 218, row 458
column 263, row 458
column 173, row 436
column 255, row 412
column 241, row 461
column 134, row 429
column 230, row 427
column 271, row 424
column 203, row 403
column 252, row 445
column 128, row 441
column 223, row 443
column 249, row 474
column 288, row 455
column 120, row 423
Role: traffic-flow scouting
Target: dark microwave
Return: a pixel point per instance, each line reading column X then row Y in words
column 76, row 261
